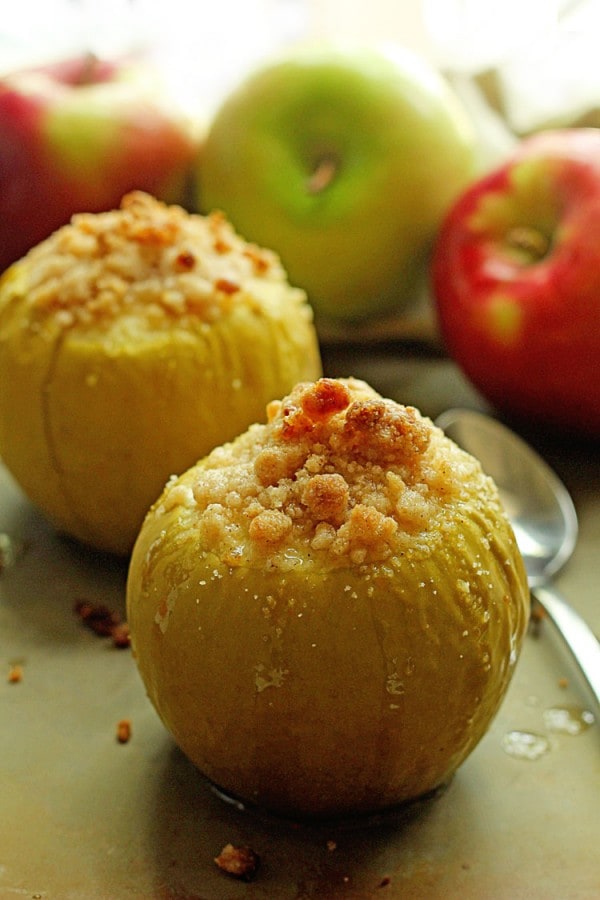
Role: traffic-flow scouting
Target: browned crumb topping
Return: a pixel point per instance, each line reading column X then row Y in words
column 240, row 862
column 152, row 261
column 336, row 470
column 124, row 731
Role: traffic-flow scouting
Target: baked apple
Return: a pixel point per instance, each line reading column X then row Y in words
column 326, row 612
column 132, row 342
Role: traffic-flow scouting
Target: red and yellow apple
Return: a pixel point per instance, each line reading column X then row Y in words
column 75, row 136
column 516, row 278
column 343, row 160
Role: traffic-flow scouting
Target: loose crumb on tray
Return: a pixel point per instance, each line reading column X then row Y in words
column 15, row 674
column 124, row 731
column 536, row 619
column 239, row 862
column 120, row 635
column 104, row 622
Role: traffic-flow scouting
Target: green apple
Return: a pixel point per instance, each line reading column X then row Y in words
column 344, row 160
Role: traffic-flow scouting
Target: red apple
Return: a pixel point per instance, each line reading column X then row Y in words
column 516, row 279
column 77, row 135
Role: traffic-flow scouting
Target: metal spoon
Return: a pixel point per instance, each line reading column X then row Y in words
column 543, row 518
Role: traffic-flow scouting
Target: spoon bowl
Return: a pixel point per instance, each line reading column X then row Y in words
column 543, row 518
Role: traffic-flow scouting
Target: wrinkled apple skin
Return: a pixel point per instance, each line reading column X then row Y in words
column 75, row 137
column 343, row 160
column 327, row 691
column 516, row 277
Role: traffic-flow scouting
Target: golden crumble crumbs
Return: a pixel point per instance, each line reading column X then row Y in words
column 15, row 674
column 123, row 731
column 239, row 862
column 335, row 470
column 151, row 260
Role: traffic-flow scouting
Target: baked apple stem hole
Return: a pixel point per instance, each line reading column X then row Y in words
column 529, row 242
column 324, row 171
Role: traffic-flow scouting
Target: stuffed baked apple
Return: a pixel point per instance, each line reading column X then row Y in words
column 326, row 612
column 132, row 342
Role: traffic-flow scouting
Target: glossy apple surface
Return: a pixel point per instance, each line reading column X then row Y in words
column 344, row 161
column 327, row 612
column 76, row 136
column 516, row 275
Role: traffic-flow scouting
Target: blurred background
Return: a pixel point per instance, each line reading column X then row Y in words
column 534, row 61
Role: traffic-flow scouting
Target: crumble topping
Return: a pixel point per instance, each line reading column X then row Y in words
column 151, row 260
column 335, row 470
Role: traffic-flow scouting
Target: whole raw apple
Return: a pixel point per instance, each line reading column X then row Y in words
column 516, row 276
column 75, row 136
column 343, row 160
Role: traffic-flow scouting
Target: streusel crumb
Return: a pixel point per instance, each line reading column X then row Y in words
column 151, row 261
column 336, row 470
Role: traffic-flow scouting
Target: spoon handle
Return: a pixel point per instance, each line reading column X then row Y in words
column 576, row 633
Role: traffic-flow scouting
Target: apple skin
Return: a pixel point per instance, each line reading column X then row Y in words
column 516, row 280
column 343, row 159
column 77, row 135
